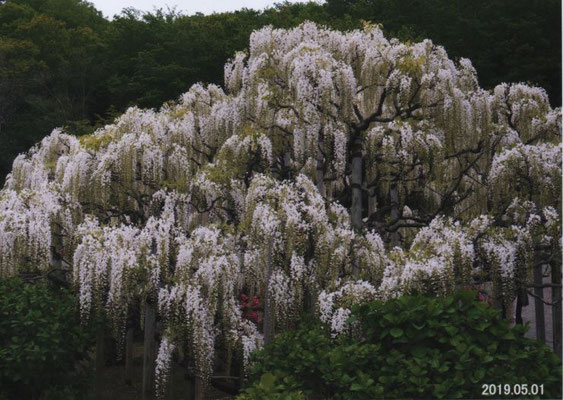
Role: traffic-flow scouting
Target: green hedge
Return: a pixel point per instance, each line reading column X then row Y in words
column 43, row 346
column 410, row 347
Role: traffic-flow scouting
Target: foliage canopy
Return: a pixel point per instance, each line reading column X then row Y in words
column 410, row 347
column 43, row 346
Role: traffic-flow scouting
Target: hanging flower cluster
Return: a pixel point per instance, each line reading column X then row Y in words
column 25, row 229
column 334, row 307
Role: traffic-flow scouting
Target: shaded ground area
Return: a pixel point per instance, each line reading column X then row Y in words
column 181, row 388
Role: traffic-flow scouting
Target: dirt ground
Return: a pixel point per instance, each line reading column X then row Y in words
column 115, row 388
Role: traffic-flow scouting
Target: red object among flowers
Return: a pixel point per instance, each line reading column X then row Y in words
column 251, row 309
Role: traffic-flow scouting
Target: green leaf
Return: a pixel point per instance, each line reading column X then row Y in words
column 396, row 332
column 461, row 347
column 419, row 326
column 418, row 351
column 452, row 330
column 444, row 368
column 487, row 358
column 479, row 374
column 267, row 381
column 509, row 336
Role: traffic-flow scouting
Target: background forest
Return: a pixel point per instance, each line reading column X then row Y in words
column 63, row 64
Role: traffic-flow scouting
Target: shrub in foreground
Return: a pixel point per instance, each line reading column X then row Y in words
column 410, row 347
column 43, row 349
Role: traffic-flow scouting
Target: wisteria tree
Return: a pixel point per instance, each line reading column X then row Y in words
column 333, row 168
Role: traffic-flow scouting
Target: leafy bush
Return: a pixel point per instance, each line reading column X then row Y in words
column 268, row 388
column 410, row 347
column 42, row 346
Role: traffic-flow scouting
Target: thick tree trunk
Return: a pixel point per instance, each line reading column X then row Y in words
column 100, row 362
column 556, row 300
column 149, row 350
column 357, row 185
column 129, row 356
column 538, row 303
column 357, row 181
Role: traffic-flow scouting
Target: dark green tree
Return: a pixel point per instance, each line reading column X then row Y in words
column 507, row 40
column 50, row 70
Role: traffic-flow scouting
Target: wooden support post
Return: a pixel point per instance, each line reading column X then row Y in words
column 538, row 303
column 184, row 363
column 229, row 361
column 556, row 300
column 372, row 201
column 129, row 356
column 190, row 389
column 204, row 218
column 394, row 197
column 269, row 317
column 321, row 170
column 519, row 303
column 199, row 392
column 286, row 169
column 309, row 301
column 149, row 351
column 100, row 362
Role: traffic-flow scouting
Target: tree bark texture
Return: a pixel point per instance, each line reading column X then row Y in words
column 357, row 181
